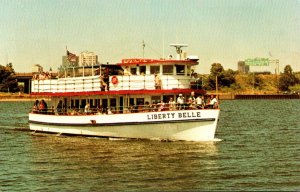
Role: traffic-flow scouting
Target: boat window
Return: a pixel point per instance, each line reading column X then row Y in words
column 131, row 101
column 133, row 70
column 77, row 103
column 97, row 102
column 72, row 103
column 142, row 70
column 113, row 102
column 179, row 69
column 91, row 101
column 167, row 69
column 83, row 103
column 154, row 70
column 166, row 98
column 104, row 105
column 155, row 99
column 140, row 101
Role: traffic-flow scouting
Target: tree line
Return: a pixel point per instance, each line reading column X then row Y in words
column 227, row 79
column 8, row 81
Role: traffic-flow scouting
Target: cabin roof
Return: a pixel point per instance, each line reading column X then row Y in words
column 136, row 61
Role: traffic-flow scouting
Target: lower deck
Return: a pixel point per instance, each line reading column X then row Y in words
column 116, row 104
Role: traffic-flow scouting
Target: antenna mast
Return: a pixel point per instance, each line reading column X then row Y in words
column 144, row 48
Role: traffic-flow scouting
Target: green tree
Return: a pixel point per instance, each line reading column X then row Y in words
column 216, row 70
column 287, row 79
column 225, row 77
column 228, row 78
column 8, row 81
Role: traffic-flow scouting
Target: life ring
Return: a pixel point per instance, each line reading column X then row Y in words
column 114, row 80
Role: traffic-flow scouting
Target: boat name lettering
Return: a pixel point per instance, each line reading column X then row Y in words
column 188, row 114
column 161, row 116
column 172, row 115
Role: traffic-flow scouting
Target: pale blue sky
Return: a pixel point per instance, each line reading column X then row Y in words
column 224, row 31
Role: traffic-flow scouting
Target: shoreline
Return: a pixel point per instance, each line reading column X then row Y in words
column 13, row 97
column 222, row 96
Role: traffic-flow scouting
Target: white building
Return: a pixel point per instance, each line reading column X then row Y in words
column 87, row 58
column 37, row 68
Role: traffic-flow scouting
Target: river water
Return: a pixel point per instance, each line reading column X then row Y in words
column 260, row 150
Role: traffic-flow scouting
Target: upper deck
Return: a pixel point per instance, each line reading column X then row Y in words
column 129, row 75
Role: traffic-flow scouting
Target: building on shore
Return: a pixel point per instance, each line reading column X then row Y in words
column 242, row 67
column 87, row 58
column 37, row 68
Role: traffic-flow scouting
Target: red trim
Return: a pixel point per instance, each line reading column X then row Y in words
column 123, row 92
column 129, row 62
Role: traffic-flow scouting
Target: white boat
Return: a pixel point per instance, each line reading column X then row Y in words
column 126, row 100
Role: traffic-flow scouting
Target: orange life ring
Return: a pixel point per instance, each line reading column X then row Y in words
column 114, row 80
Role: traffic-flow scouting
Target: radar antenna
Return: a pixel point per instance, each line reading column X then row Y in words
column 178, row 48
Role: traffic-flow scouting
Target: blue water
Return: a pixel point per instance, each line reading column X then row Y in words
column 260, row 150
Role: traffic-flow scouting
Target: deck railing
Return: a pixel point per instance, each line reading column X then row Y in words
column 92, row 83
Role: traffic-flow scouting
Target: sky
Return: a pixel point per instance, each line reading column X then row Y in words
column 217, row 31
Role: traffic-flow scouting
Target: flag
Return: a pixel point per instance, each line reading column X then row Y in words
column 71, row 56
column 270, row 54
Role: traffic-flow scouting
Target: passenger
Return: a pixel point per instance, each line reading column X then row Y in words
column 191, row 103
column 180, row 102
column 59, row 107
column 131, row 108
column 199, row 102
column 161, row 106
column 147, row 107
column 43, row 106
column 157, row 81
column 99, row 109
column 103, row 85
column 74, row 112
column 172, row 105
column 192, row 97
column 140, row 107
column 35, row 108
column 213, row 102
column 87, row 108
column 126, row 71
column 207, row 103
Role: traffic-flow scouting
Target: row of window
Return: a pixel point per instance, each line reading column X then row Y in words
column 166, row 70
column 112, row 102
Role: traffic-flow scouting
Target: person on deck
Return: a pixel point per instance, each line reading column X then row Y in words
column 213, row 102
column 180, row 102
column 199, row 102
column 87, row 108
column 172, row 105
column 157, row 81
column 35, row 108
column 43, row 107
column 126, row 71
column 59, row 107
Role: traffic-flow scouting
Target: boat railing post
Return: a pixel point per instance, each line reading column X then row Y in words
column 129, row 82
column 144, row 82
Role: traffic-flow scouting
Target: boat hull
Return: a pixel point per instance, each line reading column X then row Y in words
column 188, row 125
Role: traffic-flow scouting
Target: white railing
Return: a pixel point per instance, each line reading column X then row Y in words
column 92, row 83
